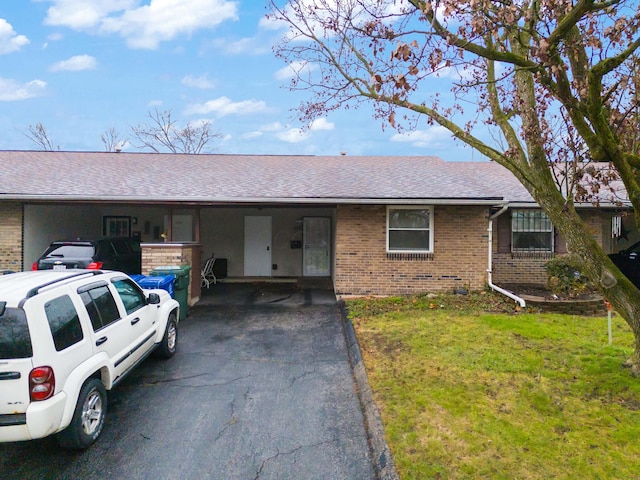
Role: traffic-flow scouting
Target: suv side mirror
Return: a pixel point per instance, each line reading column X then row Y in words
column 153, row 299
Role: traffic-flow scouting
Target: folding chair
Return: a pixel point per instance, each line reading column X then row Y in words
column 206, row 274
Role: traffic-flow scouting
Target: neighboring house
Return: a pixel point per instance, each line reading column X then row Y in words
column 374, row 225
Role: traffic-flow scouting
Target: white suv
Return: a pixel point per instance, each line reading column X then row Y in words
column 66, row 337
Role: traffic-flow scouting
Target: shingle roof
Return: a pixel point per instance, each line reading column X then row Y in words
column 155, row 177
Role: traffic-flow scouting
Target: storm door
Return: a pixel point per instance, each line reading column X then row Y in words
column 316, row 251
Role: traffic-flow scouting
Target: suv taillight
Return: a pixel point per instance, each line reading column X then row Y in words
column 95, row 266
column 35, row 265
column 42, row 383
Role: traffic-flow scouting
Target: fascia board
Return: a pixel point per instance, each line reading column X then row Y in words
column 254, row 200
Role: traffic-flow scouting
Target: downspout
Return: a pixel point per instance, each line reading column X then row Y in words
column 489, row 271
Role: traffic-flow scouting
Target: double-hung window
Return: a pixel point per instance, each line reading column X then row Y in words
column 531, row 231
column 410, row 229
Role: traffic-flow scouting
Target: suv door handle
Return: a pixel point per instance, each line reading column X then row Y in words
column 100, row 341
column 135, row 320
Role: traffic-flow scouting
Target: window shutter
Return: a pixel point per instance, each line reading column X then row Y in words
column 504, row 233
column 559, row 242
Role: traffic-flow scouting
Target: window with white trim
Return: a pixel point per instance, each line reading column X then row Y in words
column 410, row 229
column 531, row 231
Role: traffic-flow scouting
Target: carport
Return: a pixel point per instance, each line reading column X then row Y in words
column 249, row 242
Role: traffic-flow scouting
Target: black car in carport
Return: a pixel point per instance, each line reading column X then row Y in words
column 628, row 261
column 110, row 253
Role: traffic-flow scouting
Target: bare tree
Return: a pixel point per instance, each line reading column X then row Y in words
column 112, row 140
column 162, row 133
column 554, row 81
column 38, row 134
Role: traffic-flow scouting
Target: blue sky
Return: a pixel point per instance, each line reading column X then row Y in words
column 81, row 67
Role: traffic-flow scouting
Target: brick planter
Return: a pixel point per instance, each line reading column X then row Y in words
column 590, row 307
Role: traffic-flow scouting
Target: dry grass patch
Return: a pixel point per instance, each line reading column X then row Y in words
column 468, row 394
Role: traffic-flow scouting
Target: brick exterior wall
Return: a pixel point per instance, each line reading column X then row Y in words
column 156, row 255
column 363, row 266
column 524, row 268
column 11, row 219
column 520, row 268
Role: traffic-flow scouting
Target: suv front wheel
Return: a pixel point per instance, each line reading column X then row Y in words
column 88, row 417
column 167, row 347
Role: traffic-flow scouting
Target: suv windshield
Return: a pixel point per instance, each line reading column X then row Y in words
column 15, row 341
column 70, row 251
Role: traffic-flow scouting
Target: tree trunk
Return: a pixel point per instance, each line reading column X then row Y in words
column 612, row 284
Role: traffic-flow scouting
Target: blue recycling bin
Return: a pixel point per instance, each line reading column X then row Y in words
column 165, row 282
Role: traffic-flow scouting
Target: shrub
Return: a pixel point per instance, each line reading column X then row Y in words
column 565, row 276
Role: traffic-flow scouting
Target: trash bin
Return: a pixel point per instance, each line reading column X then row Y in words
column 220, row 268
column 180, row 285
column 164, row 282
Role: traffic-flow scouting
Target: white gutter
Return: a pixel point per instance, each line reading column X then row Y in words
column 604, row 204
column 489, row 272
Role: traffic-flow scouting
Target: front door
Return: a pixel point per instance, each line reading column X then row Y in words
column 182, row 228
column 257, row 246
column 316, row 247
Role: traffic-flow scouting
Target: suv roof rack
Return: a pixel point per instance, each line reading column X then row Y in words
column 35, row 290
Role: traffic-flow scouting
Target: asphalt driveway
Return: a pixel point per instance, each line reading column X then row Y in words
column 261, row 388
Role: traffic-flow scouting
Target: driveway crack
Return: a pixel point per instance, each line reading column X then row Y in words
column 302, row 375
column 233, row 419
column 279, row 454
column 190, row 377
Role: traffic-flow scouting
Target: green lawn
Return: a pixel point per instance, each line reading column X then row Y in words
column 469, row 394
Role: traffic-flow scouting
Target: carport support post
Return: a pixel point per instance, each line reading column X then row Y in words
column 168, row 234
column 196, row 221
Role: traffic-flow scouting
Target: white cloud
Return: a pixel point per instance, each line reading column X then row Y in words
column 293, row 70
column 271, row 23
column 250, row 135
column 272, row 127
column 246, row 45
column 11, row 90
column 293, row 135
column 162, row 20
column 155, row 103
column 202, row 82
column 223, row 106
column 84, row 14
column 340, row 15
column 142, row 24
column 10, row 41
column 75, row 64
column 282, row 132
column 458, row 72
column 199, row 123
column 321, row 124
column 297, row 135
column 54, row 37
column 279, row 129
column 432, row 137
